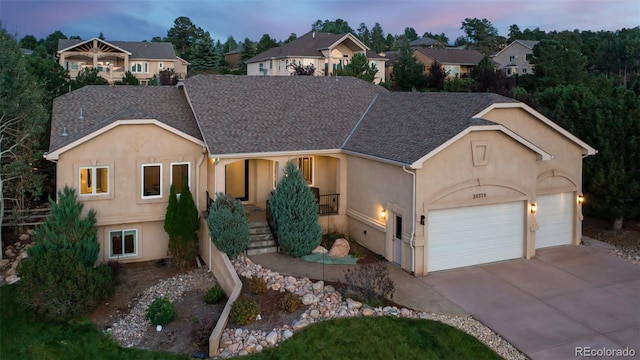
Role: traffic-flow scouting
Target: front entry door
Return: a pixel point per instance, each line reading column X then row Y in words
column 237, row 180
column 397, row 240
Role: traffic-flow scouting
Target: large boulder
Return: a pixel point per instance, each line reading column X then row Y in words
column 340, row 248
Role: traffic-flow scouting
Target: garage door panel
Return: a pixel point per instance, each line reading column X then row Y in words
column 474, row 235
column 555, row 220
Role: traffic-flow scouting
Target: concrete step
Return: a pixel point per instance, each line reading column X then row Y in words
column 258, row 224
column 261, row 237
column 260, row 243
column 259, row 230
column 262, row 250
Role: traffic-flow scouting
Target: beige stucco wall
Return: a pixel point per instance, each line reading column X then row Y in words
column 374, row 186
column 122, row 150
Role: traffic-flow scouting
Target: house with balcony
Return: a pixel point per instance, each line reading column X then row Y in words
column 515, row 58
column 430, row 181
column 325, row 51
column 114, row 58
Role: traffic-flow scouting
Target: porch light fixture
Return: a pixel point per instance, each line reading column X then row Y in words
column 534, row 208
column 580, row 199
column 383, row 214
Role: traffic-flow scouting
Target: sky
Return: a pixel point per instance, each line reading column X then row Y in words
column 137, row 20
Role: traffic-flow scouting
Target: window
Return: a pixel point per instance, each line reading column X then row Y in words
column 151, row 181
column 524, row 70
column 271, row 64
column 123, row 243
column 94, row 180
column 512, row 58
column 160, row 66
column 179, row 174
column 305, row 164
column 140, row 68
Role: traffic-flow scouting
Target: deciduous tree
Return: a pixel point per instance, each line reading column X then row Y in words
column 23, row 119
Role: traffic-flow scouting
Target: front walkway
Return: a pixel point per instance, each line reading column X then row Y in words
column 565, row 298
column 410, row 290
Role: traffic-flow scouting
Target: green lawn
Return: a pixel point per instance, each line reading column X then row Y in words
column 379, row 338
column 24, row 336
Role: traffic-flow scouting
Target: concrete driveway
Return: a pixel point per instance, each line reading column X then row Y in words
column 566, row 297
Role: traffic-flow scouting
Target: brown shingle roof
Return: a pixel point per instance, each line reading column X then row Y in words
column 254, row 114
column 138, row 49
column 307, row 45
column 102, row 105
column 452, row 56
column 404, row 127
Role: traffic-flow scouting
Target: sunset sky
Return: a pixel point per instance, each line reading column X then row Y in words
column 137, row 20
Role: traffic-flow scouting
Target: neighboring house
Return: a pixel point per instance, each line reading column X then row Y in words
column 514, row 58
column 325, row 51
column 456, row 63
column 114, row 58
column 232, row 58
column 430, row 181
column 426, row 42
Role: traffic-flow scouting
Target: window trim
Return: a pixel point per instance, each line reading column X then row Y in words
column 142, row 195
column 135, row 243
column 144, row 67
column 179, row 191
column 94, row 176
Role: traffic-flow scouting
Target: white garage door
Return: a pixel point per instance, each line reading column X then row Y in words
column 555, row 220
column 475, row 235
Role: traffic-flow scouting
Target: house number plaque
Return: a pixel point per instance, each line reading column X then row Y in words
column 479, row 195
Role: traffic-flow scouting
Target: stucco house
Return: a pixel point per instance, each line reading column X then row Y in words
column 325, row 51
column 430, row 181
column 455, row 62
column 514, row 58
column 114, row 58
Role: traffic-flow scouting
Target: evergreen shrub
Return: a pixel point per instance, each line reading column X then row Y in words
column 214, row 295
column 161, row 311
column 228, row 225
column 244, row 311
column 295, row 212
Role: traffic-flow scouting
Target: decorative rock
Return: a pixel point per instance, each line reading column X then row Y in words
column 352, row 304
column 10, row 272
column 9, row 253
column 318, row 286
column 314, row 313
column 320, row 250
column 276, row 286
column 24, row 237
column 272, row 338
column 405, row 312
column 309, row 299
column 4, row 263
column 287, row 334
column 259, row 348
column 300, row 324
column 340, row 248
column 367, row 312
column 159, row 328
column 251, row 340
column 233, row 347
column 11, row 279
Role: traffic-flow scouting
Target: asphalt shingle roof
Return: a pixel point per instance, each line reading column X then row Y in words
column 404, row 127
column 102, row 105
column 452, row 56
column 138, row 49
column 254, row 114
column 307, row 45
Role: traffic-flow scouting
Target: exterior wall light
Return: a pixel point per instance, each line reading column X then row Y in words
column 383, row 214
column 580, row 199
column 534, row 208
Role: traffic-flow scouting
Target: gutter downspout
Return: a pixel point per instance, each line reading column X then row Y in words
column 200, row 160
column 413, row 223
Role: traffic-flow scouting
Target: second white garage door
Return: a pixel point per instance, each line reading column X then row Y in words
column 555, row 220
column 474, row 235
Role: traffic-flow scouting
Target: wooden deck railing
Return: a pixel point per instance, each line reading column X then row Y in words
column 30, row 217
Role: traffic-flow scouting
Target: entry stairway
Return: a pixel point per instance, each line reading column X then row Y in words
column 261, row 240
